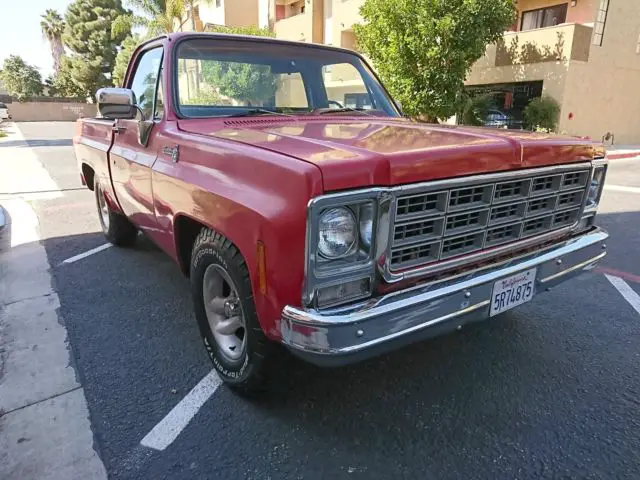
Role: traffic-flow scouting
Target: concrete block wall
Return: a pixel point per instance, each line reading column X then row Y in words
column 50, row 111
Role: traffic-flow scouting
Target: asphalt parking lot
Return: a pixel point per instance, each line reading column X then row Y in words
column 548, row 390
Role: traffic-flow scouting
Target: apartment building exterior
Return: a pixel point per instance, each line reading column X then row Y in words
column 583, row 53
column 234, row 13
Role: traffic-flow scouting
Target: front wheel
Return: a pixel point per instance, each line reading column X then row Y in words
column 226, row 314
column 116, row 227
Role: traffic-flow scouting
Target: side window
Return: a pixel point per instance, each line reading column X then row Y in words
column 145, row 80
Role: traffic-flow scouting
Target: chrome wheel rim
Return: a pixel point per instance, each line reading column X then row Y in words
column 224, row 312
column 103, row 209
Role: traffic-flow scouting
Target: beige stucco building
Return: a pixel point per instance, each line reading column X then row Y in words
column 583, row 53
column 233, row 13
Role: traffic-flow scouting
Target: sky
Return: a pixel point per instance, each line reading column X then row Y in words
column 20, row 32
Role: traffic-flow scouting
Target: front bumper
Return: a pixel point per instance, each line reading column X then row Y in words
column 345, row 335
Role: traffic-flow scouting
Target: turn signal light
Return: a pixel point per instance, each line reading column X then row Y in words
column 262, row 269
column 344, row 292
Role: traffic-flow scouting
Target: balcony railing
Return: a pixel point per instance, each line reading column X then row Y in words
column 298, row 28
column 561, row 43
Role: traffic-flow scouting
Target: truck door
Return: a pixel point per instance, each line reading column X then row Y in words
column 135, row 148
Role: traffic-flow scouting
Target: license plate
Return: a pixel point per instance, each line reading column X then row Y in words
column 512, row 291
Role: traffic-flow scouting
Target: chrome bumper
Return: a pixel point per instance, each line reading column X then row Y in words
column 349, row 334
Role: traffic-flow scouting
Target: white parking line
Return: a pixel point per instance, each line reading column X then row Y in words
column 626, row 291
column 622, row 188
column 88, row 253
column 165, row 432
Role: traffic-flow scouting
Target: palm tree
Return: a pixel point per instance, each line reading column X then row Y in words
column 52, row 26
column 158, row 16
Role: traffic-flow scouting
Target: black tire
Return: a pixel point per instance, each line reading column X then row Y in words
column 116, row 227
column 247, row 374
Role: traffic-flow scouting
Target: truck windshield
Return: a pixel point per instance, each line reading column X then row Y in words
column 242, row 77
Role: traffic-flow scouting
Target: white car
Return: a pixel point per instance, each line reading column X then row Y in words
column 4, row 112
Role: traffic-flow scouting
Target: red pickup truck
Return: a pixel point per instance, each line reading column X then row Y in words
column 307, row 211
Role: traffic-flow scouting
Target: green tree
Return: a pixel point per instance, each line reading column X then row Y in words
column 19, row 78
column 123, row 57
column 542, row 114
column 52, row 26
column 62, row 83
column 93, row 47
column 155, row 16
column 474, row 109
column 423, row 49
column 254, row 83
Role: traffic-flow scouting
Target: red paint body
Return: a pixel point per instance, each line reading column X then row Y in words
column 252, row 178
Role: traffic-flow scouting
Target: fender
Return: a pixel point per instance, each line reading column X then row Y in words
column 247, row 194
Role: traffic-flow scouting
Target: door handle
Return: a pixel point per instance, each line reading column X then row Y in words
column 118, row 129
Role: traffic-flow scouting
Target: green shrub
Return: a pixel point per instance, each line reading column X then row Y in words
column 542, row 114
column 474, row 109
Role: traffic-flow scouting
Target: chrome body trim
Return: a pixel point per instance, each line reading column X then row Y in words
column 377, row 265
column 391, row 276
column 587, row 263
column 343, row 335
column 600, row 162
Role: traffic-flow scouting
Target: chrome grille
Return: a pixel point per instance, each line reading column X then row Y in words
column 443, row 222
column 423, row 204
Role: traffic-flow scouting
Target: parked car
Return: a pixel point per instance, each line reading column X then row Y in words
column 337, row 232
column 498, row 119
column 4, row 112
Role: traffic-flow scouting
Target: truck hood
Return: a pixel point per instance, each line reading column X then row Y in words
column 354, row 152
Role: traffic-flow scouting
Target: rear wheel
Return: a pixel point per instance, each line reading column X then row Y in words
column 226, row 314
column 116, row 227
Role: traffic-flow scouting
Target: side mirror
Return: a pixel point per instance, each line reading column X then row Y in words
column 117, row 103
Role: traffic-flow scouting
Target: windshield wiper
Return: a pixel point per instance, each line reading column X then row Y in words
column 323, row 111
column 259, row 111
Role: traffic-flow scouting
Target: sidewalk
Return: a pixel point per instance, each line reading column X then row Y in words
column 616, row 152
column 45, row 432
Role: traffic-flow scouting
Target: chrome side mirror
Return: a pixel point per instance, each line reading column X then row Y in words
column 117, row 103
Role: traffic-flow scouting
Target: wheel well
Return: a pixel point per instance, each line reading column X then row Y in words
column 89, row 174
column 186, row 230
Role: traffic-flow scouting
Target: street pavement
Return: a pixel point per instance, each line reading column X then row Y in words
column 548, row 390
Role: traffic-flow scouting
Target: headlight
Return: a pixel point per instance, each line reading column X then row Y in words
column 595, row 188
column 337, row 232
column 366, row 224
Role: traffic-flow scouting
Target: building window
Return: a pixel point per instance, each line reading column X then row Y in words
column 601, row 19
column 544, row 17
